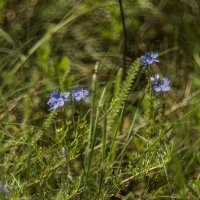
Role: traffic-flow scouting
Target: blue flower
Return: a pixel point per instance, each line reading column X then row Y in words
column 160, row 84
column 79, row 94
column 149, row 58
column 57, row 100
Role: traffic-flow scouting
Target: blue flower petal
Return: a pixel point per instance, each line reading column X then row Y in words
column 154, row 55
column 55, row 106
column 86, row 92
column 149, row 58
column 165, row 89
column 166, row 81
column 57, row 100
column 77, row 98
column 79, row 94
column 160, row 84
column 157, row 88
column 55, row 95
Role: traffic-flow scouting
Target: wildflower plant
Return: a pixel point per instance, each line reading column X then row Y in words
column 79, row 94
column 90, row 138
column 149, row 59
column 114, row 140
column 58, row 100
column 160, row 85
column 157, row 84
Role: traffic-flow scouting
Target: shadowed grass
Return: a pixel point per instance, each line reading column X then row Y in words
column 114, row 147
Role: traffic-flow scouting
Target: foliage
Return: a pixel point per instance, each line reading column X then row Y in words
column 124, row 141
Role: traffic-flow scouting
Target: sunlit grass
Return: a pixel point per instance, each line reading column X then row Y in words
column 125, row 141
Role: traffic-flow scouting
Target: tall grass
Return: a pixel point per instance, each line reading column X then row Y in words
column 125, row 141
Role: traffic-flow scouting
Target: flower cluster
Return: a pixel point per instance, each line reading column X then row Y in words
column 160, row 85
column 58, row 100
column 149, row 58
column 79, row 94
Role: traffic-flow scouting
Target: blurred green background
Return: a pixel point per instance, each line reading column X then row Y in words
column 49, row 44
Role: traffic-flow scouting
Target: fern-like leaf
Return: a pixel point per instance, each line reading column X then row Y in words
column 124, row 92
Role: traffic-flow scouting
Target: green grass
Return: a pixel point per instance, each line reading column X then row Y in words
column 125, row 141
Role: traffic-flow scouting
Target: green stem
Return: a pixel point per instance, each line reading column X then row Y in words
column 102, row 169
column 92, row 130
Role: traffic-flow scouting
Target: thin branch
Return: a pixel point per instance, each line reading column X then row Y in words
column 125, row 34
